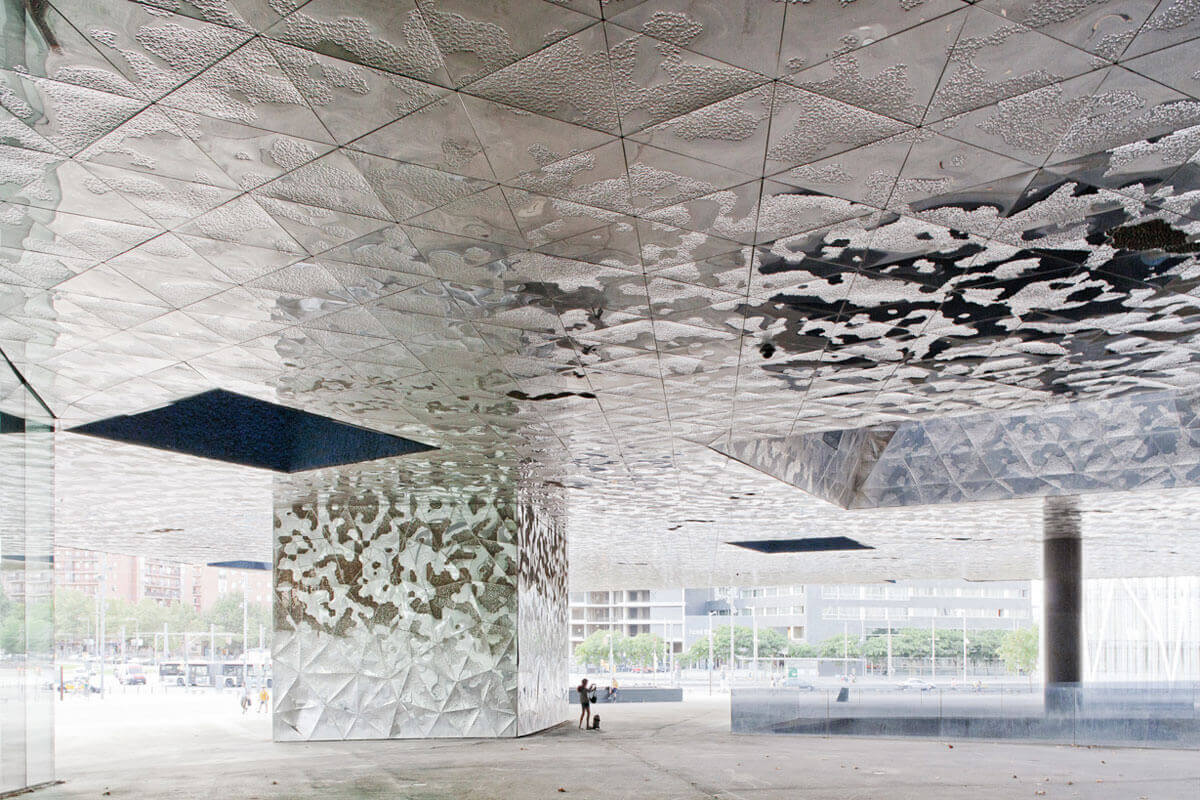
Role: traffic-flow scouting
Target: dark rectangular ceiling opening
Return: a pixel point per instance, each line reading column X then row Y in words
column 243, row 430
column 816, row 544
column 260, row 565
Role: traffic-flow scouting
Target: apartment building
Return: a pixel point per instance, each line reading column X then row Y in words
column 631, row 611
column 136, row 578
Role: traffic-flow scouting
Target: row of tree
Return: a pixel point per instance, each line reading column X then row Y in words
column 27, row 627
column 75, row 617
column 1018, row 649
column 643, row 650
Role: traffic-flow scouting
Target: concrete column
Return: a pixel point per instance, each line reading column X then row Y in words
column 1062, row 570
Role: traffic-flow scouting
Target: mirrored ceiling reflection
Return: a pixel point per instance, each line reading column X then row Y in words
column 582, row 240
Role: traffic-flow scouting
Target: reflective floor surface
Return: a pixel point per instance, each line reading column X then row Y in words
column 199, row 746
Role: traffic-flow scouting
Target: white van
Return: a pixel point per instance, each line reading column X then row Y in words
column 131, row 675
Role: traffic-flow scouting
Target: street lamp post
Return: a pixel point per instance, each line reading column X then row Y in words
column 245, row 634
column 964, row 620
column 732, row 639
column 710, row 650
column 754, row 623
column 100, row 625
column 933, row 646
column 888, row 621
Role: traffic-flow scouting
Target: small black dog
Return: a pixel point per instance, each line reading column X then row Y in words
column 596, row 722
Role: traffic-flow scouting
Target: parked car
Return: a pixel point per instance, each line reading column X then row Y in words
column 82, row 681
column 920, row 684
column 796, row 683
column 131, row 675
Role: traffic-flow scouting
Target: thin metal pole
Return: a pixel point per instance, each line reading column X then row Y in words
column 964, row 646
column 612, row 614
column 101, row 631
column 754, row 622
column 933, row 645
column 888, row 619
column 245, row 631
column 710, row 651
column 732, row 657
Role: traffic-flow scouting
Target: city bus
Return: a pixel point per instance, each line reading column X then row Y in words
column 171, row 673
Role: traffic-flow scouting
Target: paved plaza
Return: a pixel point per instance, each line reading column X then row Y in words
column 201, row 746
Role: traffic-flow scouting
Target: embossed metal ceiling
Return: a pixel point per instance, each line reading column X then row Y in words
column 588, row 238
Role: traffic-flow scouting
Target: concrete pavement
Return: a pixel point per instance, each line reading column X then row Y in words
column 201, row 746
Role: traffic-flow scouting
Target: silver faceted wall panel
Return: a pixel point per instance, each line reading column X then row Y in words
column 397, row 613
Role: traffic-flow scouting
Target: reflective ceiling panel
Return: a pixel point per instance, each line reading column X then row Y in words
column 595, row 242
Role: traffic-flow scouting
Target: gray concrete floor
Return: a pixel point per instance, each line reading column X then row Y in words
column 200, row 746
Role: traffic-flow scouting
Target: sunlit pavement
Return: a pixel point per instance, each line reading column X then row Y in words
column 200, row 745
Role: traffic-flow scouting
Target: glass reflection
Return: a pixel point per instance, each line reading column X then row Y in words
column 26, row 586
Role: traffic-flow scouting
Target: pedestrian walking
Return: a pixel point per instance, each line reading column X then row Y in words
column 263, row 697
column 245, row 701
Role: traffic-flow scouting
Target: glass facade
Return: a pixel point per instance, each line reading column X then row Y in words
column 27, row 576
column 1111, row 714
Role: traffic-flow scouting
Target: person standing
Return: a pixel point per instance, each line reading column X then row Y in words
column 245, row 701
column 585, row 702
column 263, row 697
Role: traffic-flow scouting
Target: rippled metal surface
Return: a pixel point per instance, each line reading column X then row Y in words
column 430, row 614
column 588, row 239
column 1141, row 441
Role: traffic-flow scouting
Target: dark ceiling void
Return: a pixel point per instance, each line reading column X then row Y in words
column 243, row 430
column 1152, row 235
column 816, row 544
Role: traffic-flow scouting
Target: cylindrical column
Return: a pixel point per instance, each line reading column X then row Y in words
column 1062, row 571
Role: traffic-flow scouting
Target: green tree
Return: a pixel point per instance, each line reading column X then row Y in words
column 12, row 632
column 875, row 647
column 595, row 648
column 771, row 643
column 39, row 627
column 839, row 646
column 949, row 644
column 74, row 615
column 698, row 653
column 984, row 645
column 118, row 613
column 802, row 650
column 643, row 649
column 911, row 643
column 1019, row 650
column 743, row 645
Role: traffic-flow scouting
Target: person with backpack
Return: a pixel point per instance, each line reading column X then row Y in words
column 586, row 695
